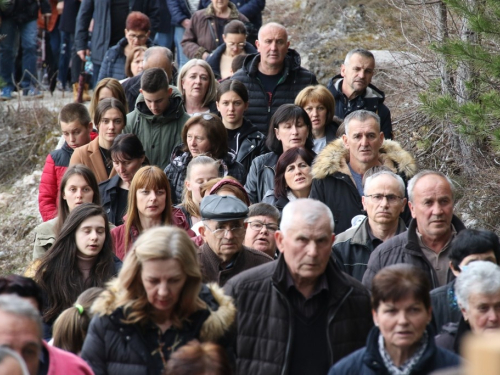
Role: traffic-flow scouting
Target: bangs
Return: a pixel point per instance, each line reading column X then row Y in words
column 120, row 156
column 152, row 179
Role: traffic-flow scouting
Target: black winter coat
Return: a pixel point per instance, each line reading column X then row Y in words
column 371, row 100
column 214, row 58
column 176, row 171
column 250, row 143
column 445, row 308
column 404, row 248
column 115, row 348
column 264, row 326
column 260, row 177
column 108, row 190
column 294, row 79
column 333, row 184
column 368, row 361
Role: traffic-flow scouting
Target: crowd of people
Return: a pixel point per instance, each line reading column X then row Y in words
column 217, row 211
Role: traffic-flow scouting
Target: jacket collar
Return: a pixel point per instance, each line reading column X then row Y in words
column 210, row 12
column 361, row 235
column 371, row 90
column 334, row 158
column 174, row 110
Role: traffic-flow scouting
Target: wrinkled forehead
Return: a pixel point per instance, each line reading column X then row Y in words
column 18, row 330
column 273, row 33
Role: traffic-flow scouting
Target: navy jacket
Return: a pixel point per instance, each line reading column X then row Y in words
column 368, row 361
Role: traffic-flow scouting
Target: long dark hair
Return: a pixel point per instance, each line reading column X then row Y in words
column 287, row 158
column 58, row 274
column 284, row 113
column 89, row 177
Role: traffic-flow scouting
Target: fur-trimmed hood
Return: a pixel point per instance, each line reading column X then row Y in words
column 334, row 158
column 221, row 309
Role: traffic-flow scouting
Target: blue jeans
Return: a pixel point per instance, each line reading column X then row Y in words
column 165, row 39
column 66, row 55
column 181, row 58
column 28, row 33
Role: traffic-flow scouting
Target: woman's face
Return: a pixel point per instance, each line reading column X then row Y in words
column 298, row 175
column 199, row 175
column 317, row 114
column 151, row 203
column 197, row 140
column 220, row 5
column 235, row 43
column 136, row 64
column 292, row 133
column 195, row 83
column 105, row 93
column 231, row 108
column 90, row 236
column 77, row 191
column 126, row 168
column 111, row 125
column 163, row 281
column 136, row 38
column 402, row 323
column 483, row 313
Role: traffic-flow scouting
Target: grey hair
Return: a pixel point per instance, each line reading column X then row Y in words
column 398, row 178
column 264, row 209
column 361, row 115
column 272, row 24
column 479, row 277
column 358, row 51
column 310, row 210
column 15, row 305
column 158, row 50
column 211, row 94
column 427, row 172
column 6, row 352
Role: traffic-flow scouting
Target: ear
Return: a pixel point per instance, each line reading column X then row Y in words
column 363, row 198
column 412, row 210
column 375, row 317
column 202, row 230
column 464, row 313
column 278, row 236
column 170, row 91
column 187, row 184
column 224, row 38
column 404, row 204
column 277, row 133
column 90, row 126
column 333, row 239
column 217, row 105
column 345, row 140
column 342, row 70
column 288, row 44
column 140, row 90
column 381, row 137
column 257, row 43
column 455, row 271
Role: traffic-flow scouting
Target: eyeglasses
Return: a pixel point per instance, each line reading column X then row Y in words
column 138, row 37
column 237, row 45
column 257, row 226
column 220, row 233
column 391, row 198
column 205, row 116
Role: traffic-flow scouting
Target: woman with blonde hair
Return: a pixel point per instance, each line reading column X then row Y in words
column 149, row 205
column 107, row 88
column 71, row 327
column 198, row 87
column 156, row 305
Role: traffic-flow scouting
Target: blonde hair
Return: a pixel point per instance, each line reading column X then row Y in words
column 160, row 243
column 211, row 94
column 116, row 88
column 70, row 328
column 319, row 94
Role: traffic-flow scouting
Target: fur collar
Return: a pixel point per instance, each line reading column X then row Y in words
column 334, row 158
column 216, row 325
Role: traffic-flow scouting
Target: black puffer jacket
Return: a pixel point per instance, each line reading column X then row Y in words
column 176, row 171
column 250, row 143
column 334, row 186
column 265, row 327
column 260, row 177
column 371, row 100
column 294, row 79
column 115, row 348
column 404, row 248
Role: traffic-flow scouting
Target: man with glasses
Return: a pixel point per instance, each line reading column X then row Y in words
column 384, row 200
column 262, row 224
column 427, row 242
column 339, row 168
column 223, row 255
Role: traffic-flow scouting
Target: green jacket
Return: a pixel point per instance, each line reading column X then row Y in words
column 159, row 134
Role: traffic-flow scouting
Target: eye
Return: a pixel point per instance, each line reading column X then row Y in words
column 87, row 189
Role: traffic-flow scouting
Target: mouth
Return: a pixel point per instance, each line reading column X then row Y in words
column 300, row 179
column 264, row 240
column 78, row 203
column 152, row 207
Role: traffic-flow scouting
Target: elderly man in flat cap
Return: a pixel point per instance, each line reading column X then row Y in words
column 223, row 255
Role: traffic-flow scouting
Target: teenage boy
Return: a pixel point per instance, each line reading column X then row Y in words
column 76, row 128
column 158, row 117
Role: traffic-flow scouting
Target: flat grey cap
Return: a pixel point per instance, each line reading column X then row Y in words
column 223, row 208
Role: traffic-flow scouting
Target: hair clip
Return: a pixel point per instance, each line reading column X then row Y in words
column 79, row 308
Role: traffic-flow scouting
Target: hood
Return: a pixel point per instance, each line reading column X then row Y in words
column 251, row 62
column 371, row 91
column 174, row 110
column 334, row 158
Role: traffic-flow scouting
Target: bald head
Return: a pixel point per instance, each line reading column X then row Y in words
column 273, row 46
column 159, row 57
column 269, row 26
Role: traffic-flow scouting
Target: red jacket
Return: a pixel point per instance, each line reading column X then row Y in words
column 62, row 363
column 118, row 233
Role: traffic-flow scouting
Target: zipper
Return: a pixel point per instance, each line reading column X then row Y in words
column 284, row 370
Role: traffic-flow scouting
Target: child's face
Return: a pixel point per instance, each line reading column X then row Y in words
column 75, row 134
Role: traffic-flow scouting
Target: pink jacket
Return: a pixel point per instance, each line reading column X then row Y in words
column 64, row 363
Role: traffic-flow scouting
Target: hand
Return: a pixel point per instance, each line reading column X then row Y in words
column 186, row 23
column 60, row 7
column 205, row 55
column 83, row 53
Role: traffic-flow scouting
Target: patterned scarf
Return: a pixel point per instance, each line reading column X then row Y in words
column 407, row 367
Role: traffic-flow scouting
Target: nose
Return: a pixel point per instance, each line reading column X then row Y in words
column 120, row 168
column 384, row 202
column 93, row 235
column 79, row 193
column 493, row 315
column 263, row 229
column 314, row 112
column 72, row 138
column 230, row 107
column 402, row 318
column 163, row 289
column 228, row 233
column 152, row 196
column 437, row 209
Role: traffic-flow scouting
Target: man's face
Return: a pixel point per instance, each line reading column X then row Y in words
column 357, row 74
column 23, row 336
column 383, row 201
column 225, row 238
column 261, row 239
column 432, row 206
column 306, row 248
column 157, row 102
column 272, row 45
column 363, row 142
